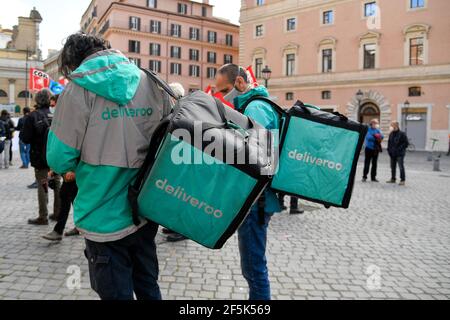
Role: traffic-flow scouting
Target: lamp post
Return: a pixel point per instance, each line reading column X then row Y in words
column 26, row 78
column 406, row 105
column 267, row 74
column 359, row 97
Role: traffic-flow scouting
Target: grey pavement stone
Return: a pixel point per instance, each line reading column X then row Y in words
column 323, row 254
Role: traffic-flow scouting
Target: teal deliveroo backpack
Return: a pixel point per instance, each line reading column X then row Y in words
column 319, row 154
column 187, row 186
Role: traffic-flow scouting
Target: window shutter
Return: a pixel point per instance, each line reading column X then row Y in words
column 130, row 23
column 139, row 24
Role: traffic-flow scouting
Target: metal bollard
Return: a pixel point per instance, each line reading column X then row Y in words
column 436, row 164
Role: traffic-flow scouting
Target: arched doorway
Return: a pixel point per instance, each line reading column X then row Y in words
column 368, row 112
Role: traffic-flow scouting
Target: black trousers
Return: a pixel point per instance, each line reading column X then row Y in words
column 400, row 160
column 119, row 268
column 371, row 159
column 67, row 194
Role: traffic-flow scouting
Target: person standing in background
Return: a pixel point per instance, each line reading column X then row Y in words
column 34, row 132
column 23, row 147
column 397, row 145
column 9, row 131
column 373, row 141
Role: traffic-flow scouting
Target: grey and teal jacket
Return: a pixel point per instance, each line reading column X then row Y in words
column 101, row 130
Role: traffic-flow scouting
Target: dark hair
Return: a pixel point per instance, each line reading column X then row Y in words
column 26, row 110
column 42, row 98
column 78, row 47
column 232, row 71
column 54, row 98
column 4, row 113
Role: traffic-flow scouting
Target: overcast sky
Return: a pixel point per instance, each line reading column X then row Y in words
column 62, row 17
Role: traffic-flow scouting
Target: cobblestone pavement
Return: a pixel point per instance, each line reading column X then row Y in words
column 393, row 242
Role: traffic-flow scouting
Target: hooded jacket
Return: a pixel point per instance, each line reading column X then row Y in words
column 101, row 130
column 263, row 114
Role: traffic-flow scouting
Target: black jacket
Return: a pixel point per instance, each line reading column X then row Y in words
column 34, row 132
column 9, row 127
column 19, row 126
column 398, row 143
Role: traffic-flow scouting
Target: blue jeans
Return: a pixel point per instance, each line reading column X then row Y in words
column 252, row 236
column 119, row 268
column 24, row 153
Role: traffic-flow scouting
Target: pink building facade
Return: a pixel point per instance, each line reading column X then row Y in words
column 395, row 53
column 181, row 40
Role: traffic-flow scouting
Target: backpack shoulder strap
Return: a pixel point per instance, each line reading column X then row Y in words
column 160, row 83
column 280, row 111
column 135, row 188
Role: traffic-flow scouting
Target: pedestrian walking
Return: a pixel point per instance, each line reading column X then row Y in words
column 397, row 145
column 373, row 141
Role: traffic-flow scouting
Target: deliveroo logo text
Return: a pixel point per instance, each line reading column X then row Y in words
column 124, row 112
column 181, row 194
column 308, row 158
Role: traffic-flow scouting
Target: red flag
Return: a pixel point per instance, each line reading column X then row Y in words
column 38, row 80
column 219, row 96
column 208, row 90
column 251, row 76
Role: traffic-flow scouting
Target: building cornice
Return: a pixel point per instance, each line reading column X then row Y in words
column 421, row 74
column 144, row 10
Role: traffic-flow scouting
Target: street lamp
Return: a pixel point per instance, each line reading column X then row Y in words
column 406, row 105
column 267, row 74
column 359, row 97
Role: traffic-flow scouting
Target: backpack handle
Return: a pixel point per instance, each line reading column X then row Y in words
column 340, row 115
column 152, row 75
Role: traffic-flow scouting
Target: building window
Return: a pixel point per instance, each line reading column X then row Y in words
column 175, row 30
column 152, row 4
column 259, row 30
column 155, row 26
column 227, row 58
column 194, row 71
column 175, row 68
column 155, row 66
column 204, row 12
column 229, row 40
column 212, row 37
column 415, row 4
column 134, row 46
column 211, row 73
column 135, row 23
column 290, row 64
column 369, row 55
column 136, row 61
column 24, row 94
column 328, row 17
column 212, row 57
column 182, row 8
column 258, row 68
column 370, row 9
column 327, row 60
column 3, row 93
column 194, row 34
column 326, row 95
column 155, row 49
column 175, row 52
column 259, row 2
column 415, row 91
column 194, row 54
column 416, row 51
column 289, row 96
column 291, row 24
